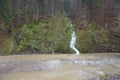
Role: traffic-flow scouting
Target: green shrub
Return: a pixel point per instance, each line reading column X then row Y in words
column 6, row 45
column 114, row 40
column 92, row 39
column 40, row 36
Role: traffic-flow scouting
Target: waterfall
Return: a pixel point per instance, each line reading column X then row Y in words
column 73, row 41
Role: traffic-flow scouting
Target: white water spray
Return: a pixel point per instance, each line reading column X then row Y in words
column 73, row 41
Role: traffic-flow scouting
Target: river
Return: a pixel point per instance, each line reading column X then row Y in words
column 59, row 67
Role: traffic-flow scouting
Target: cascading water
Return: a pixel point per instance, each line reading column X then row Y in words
column 73, row 41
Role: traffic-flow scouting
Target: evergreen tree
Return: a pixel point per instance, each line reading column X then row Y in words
column 5, row 10
column 67, row 6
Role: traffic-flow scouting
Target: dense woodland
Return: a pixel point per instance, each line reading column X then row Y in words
column 43, row 26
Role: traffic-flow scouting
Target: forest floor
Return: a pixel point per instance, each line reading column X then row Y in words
column 93, row 66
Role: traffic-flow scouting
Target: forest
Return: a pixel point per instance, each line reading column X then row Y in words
column 43, row 26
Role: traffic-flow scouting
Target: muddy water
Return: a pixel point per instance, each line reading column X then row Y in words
column 58, row 67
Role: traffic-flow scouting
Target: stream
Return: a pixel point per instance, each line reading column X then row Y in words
column 59, row 67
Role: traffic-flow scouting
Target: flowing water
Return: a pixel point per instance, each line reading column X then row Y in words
column 73, row 41
column 58, row 67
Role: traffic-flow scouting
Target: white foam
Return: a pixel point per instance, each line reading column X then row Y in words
column 72, row 43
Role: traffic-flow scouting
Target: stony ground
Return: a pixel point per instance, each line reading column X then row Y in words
column 61, row 67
